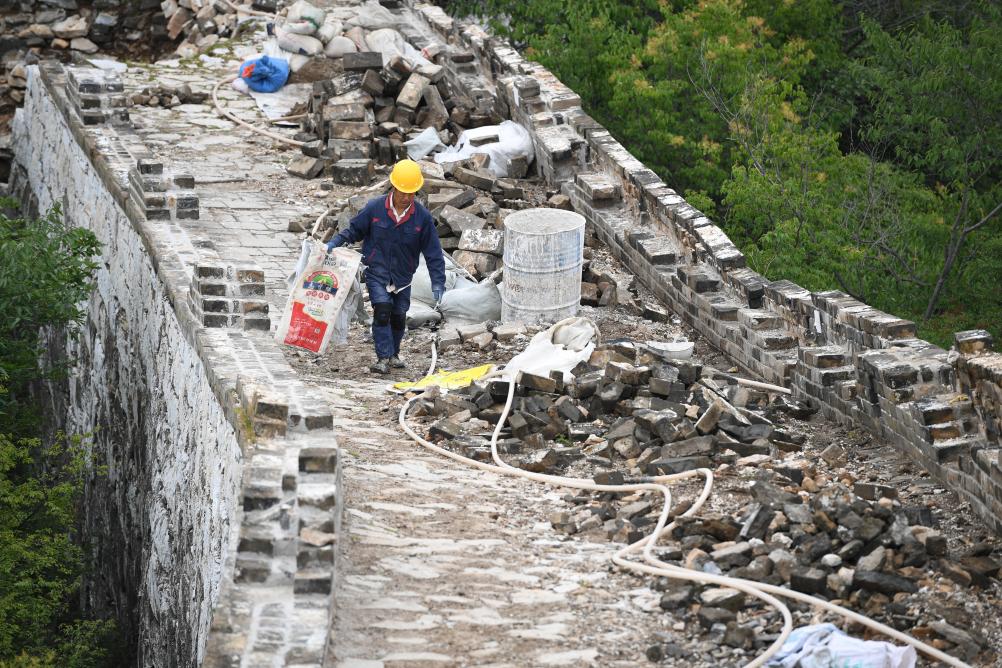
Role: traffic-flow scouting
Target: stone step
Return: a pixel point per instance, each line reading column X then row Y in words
column 824, row 357
column 951, row 449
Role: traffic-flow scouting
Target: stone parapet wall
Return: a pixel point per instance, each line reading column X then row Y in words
column 219, row 459
column 858, row 365
column 164, row 515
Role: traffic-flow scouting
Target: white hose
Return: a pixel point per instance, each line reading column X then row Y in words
column 654, row 566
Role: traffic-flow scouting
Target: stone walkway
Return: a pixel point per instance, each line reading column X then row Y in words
column 445, row 565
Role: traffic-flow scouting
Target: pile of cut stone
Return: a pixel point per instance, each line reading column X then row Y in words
column 630, row 403
column 856, row 546
column 364, row 115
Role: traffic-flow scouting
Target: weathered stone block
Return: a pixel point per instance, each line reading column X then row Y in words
column 353, row 172
column 482, row 241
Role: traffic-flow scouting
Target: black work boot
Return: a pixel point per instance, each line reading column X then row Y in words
column 382, row 366
column 397, row 363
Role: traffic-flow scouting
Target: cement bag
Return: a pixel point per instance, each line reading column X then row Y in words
column 303, row 45
column 558, row 348
column 329, row 30
column 476, row 303
column 317, row 297
column 390, row 42
column 373, row 16
column 513, row 141
column 304, row 11
column 352, row 304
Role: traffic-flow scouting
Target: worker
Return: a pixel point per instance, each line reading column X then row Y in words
column 395, row 230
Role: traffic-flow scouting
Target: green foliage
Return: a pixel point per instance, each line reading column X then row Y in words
column 46, row 272
column 850, row 145
column 45, row 276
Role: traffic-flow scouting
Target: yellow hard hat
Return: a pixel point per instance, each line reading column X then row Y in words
column 406, row 176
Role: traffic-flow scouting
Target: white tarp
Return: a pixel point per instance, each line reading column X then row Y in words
column 281, row 102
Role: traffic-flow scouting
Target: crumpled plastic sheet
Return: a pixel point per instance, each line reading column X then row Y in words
column 826, row 646
column 513, row 141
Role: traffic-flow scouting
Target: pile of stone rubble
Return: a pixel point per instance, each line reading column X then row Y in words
column 630, row 402
column 857, row 546
column 633, row 410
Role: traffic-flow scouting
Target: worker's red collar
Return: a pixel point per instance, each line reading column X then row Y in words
column 393, row 214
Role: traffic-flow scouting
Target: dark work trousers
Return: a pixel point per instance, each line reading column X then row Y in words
column 389, row 318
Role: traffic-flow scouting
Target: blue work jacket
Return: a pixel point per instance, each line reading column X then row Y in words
column 391, row 250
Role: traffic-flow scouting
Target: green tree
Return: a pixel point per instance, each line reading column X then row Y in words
column 666, row 120
column 936, row 92
column 44, row 278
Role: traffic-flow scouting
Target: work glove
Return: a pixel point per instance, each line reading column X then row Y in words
column 331, row 245
column 436, row 294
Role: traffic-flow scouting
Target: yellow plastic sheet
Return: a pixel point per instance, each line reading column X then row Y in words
column 448, row 380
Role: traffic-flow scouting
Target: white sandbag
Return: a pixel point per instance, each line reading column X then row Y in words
column 373, row 16
column 559, row 348
column 304, row 11
column 320, row 291
column 329, row 30
column 421, row 283
column 296, row 61
column 338, row 46
column 420, row 314
column 390, row 42
column 472, row 304
column 303, row 45
column 513, row 141
column 423, row 144
column 299, row 27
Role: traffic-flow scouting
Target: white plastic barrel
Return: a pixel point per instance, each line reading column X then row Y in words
column 543, row 254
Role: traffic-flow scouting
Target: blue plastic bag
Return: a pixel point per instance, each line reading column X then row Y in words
column 264, row 74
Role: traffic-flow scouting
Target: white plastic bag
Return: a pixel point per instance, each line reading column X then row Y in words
column 421, row 314
column 423, row 144
column 322, row 286
column 824, row 645
column 513, row 141
column 559, row 348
